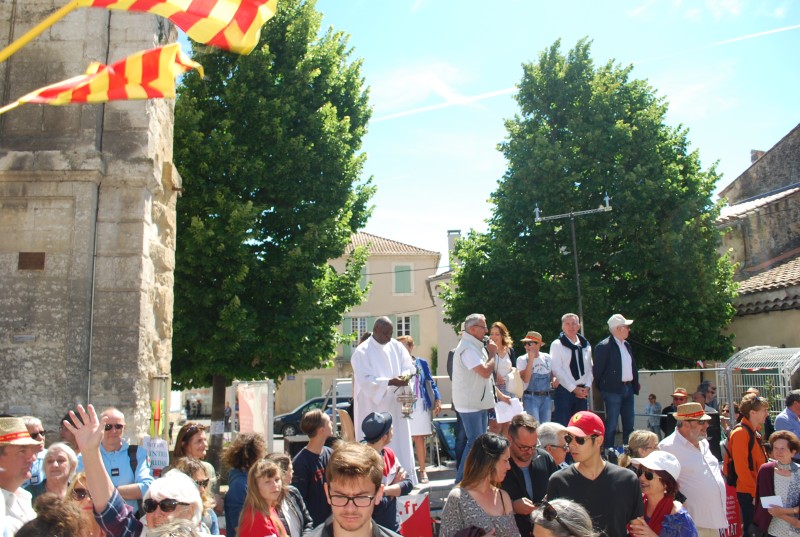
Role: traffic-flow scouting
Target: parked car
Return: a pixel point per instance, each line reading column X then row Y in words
column 289, row 424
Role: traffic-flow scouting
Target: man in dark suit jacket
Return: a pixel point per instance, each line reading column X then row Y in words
column 536, row 462
column 617, row 378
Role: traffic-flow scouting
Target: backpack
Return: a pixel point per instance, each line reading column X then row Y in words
column 730, row 469
column 132, row 450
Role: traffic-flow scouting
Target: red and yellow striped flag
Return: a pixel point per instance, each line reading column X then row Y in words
column 233, row 25
column 149, row 74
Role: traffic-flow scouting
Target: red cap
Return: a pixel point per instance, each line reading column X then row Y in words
column 585, row 423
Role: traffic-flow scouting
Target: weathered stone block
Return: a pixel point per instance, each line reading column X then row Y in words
column 120, row 238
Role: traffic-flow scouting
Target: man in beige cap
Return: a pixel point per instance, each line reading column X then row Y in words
column 701, row 479
column 535, row 370
column 17, row 454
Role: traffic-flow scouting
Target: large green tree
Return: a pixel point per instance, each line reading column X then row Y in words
column 268, row 146
column 582, row 131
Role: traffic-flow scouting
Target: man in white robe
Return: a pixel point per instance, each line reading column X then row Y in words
column 378, row 364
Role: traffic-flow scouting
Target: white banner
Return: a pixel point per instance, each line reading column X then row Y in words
column 255, row 414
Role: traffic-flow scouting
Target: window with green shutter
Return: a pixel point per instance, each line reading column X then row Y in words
column 402, row 280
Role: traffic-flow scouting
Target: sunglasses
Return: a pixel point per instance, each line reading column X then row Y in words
column 38, row 434
column 81, row 494
column 550, row 514
column 580, row 440
column 117, row 426
column 202, row 483
column 167, row 505
column 648, row 474
column 529, row 343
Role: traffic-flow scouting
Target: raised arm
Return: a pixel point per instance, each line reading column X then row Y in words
column 88, row 431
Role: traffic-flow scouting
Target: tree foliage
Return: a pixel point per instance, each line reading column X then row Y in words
column 268, row 146
column 582, row 131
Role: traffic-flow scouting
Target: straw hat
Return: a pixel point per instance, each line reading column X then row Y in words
column 690, row 412
column 13, row 432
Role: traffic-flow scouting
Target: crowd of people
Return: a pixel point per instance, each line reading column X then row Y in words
column 523, row 476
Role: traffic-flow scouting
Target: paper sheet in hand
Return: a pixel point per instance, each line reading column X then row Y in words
column 506, row 411
column 771, row 501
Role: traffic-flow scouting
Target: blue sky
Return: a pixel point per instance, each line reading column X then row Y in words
column 442, row 75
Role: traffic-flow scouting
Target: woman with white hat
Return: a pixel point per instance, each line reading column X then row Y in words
column 664, row 515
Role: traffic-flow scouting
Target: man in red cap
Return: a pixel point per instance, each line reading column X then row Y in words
column 590, row 480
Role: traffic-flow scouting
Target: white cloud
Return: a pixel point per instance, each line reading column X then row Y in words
column 411, row 85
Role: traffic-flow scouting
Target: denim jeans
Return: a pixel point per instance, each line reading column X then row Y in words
column 540, row 407
column 461, row 439
column 618, row 404
column 566, row 405
column 475, row 424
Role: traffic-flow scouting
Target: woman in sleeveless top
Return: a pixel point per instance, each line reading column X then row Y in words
column 478, row 500
column 505, row 360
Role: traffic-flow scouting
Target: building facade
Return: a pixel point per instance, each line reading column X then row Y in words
column 396, row 275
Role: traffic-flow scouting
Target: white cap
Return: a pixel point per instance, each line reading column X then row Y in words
column 618, row 320
column 660, row 460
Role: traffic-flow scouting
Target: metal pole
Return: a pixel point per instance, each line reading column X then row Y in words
column 577, row 273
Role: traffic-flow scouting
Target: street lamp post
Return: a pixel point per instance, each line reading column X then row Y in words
column 571, row 215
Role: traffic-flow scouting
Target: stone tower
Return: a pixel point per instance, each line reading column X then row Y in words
column 87, row 223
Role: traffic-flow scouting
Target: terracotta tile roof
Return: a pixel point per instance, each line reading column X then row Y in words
column 734, row 212
column 780, row 276
column 381, row 246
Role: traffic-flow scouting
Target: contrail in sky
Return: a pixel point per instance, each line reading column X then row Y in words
column 497, row 93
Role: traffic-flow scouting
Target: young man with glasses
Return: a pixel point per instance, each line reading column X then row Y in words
column 610, row 494
column 530, row 469
column 127, row 466
column 535, row 369
column 353, row 487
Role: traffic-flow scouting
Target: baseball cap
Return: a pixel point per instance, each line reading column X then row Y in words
column 660, row 460
column 585, row 423
column 618, row 320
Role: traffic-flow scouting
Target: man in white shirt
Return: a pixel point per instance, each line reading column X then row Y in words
column 701, row 479
column 17, row 454
column 572, row 366
column 617, row 378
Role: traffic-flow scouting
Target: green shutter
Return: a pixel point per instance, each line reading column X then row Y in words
column 402, row 279
column 415, row 334
column 347, row 349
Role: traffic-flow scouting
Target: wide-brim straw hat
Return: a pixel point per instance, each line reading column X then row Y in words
column 14, row 433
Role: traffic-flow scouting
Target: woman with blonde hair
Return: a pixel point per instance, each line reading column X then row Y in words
column 265, row 492
column 505, row 360
column 197, row 471
column 640, row 444
column 78, row 494
column 428, row 399
column 478, row 499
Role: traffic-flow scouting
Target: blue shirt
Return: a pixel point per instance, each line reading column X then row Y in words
column 118, row 467
column 787, row 421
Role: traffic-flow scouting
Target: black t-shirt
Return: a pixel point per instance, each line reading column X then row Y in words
column 308, row 478
column 613, row 499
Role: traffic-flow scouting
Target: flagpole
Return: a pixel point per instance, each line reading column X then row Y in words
column 34, row 32
column 9, row 106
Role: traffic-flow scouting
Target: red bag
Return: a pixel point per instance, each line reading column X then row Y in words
column 734, row 514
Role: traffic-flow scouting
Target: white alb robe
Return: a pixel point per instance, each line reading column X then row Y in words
column 373, row 366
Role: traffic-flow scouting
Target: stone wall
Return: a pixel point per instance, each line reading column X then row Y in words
column 92, row 188
column 778, row 167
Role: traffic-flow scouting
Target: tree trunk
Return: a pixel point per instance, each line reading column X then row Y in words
column 219, row 383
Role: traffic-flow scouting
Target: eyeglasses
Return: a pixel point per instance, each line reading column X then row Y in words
column 202, row 483
column 38, row 434
column 647, row 473
column 167, row 505
column 550, row 514
column 81, row 494
column 117, row 426
column 565, row 447
column 523, row 447
column 580, row 440
column 529, row 343
column 339, row 500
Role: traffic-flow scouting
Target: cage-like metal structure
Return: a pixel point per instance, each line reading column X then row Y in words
column 774, row 371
